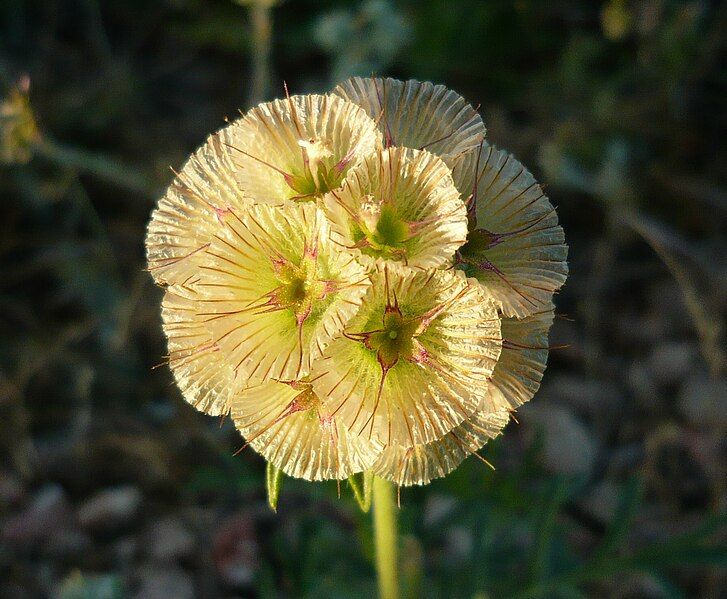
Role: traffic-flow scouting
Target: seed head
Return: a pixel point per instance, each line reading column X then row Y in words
column 359, row 279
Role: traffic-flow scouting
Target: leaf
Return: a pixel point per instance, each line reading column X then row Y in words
column 625, row 512
column 273, row 481
column 361, row 485
column 556, row 495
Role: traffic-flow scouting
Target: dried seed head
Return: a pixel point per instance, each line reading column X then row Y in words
column 307, row 254
column 194, row 207
column 205, row 379
column 514, row 381
column 421, row 464
column 274, row 290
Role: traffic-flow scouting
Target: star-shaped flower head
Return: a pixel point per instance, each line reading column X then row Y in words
column 515, row 246
column 307, row 252
column 417, row 114
column 273, row 290
column 288, row 425
column 399, row 205
column 415, row 360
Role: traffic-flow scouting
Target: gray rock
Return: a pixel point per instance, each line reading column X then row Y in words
column 110, row 508
column 703, row 401
column 124, row 550
column 48, row 513
column 164, row 583
column 601, row 501
column 68, row 544
column 236, row 552
column 11, row 490
column 568, row 447
column 587, row 396
column 169, row 540
column 672, row 362
column 438, row 507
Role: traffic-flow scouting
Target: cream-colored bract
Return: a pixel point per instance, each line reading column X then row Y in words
column 516, row 248
column 359, row 279
column 300, row 147
column 417, row 114
column 421, row 464
column 415, row 360
column 274, row 291
column 400, row 205
column 205, row 378
column 286, row 423
column 523, row 358
column 191, row 211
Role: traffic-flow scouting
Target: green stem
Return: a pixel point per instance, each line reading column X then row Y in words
column 385, row 538
column 262, row 25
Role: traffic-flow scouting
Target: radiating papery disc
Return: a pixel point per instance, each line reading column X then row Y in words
column 518, row 248
column 274, row 290
column 514, row 381
column 399, row 205
column 192, row 209
column 417, row 114
column 416, row 358
column 287, row 424
column 299, row 148
column 421, row 464
column 522, row 361
column 205, row 378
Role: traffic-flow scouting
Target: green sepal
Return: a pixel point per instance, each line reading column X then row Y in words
column 273, row 482
column 362, row 484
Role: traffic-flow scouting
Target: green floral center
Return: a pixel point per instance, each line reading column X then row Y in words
column 381, row 232
column 319, row 173
column 394, row 340
column 299, row 287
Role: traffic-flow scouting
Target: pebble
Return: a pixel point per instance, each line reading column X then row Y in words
column 165, row 583
column 48, row 512
column 568, row 447
column 703, row 401
column 601, row 501
column 110, row 509
column 12, row 492
column 169, row 540
column 587, row 396
column 672, row 362
column 236, row 552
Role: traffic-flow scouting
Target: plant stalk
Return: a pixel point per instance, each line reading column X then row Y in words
column 385, row 538
column 262, row 26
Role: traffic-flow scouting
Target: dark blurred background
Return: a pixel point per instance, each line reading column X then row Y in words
column 613, row 482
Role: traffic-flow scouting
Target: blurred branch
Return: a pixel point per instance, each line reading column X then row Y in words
column 103, row 168
column 261, row 23
column 709, row 327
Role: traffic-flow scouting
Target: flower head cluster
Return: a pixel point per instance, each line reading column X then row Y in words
column 359, row 279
